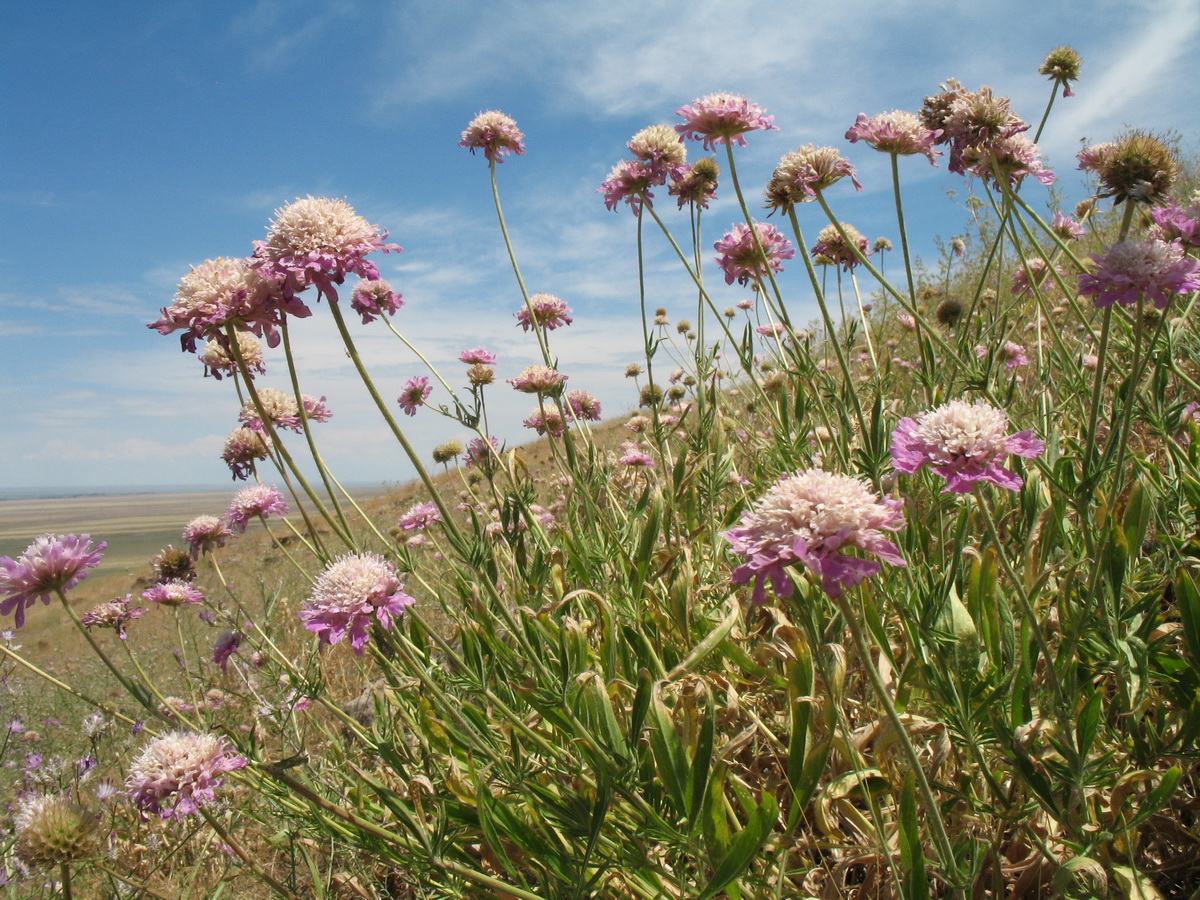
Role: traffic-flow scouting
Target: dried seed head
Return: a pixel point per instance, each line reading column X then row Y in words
column 1140, row 167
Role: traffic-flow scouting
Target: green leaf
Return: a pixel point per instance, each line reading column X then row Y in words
column 1138, row 510
column 745, row 847
column 1089, row 723
column 711, row 641
column 1187, row 596
column 1116, row 559
column 915, row 884
column 669, row 755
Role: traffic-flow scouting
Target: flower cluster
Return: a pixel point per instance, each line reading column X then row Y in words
column 178, row 773
column 1153, row 268
column 419, row 516
column 219, row 360
column 547, row 312
column 243, row 447
column 374, row 298
column 539, row 379
column 414, row 394
column 815, row 518
column 839, row 250
column 495, row 134
column 898, row 132
column 352, row 591
column 964, row 443
column 113, row 614
column 258, row 500
column 722, row 118
column 743, row 262
column 175, row 592
column 282, row 410
column 206, row 533
column 224, row 291
column 801, row 173
column 53, row 562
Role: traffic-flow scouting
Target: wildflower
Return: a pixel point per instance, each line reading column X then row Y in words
column 539, row 379
column 898, row 132
column 882, row 245
column 958, row 246
column 548, row 312
column 813, row 517
column 637, row 423
column 225, row 291
column 633, row 370
column 482, row 454
column 315, row 409
column 1062, row 67
column 697, row 184
column 745, row 304
column 650, row 395
column 1138, row 167
column 631, row 181
column 52, row 830
column 179, row 772
column 373, row 298
column 480, row 375
column 319, row 241
column 219, row 361
column 478, row 356
column 975, row 121
column 419, row 516
column 205, row 534
column 905, row 321
column 495, row 134
column 1066, row 228
column 838, row 249
column 964, row 443
column 584, row 404
column 1009, row 159
column 948, row 312
column 547, row 419
column 1151, row 268
column 634, row 456
column 173, row 593
column 261, row 500
column 660, row 146
column 171, row 563
column 242, row 448
column 113, row 614
column 1093, row 157
column 1178, row 223
column 225, row 646
column 1014, row 355
column 1089, row 361
column 345, row 597
column 443, row 453
column 52, row 563
column 1026, row 278
column 722, row 118
column 414, row 394
column 743, row 261
column 801, row 173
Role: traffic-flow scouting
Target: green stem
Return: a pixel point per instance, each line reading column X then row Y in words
column 259, row 872
column 922, row 346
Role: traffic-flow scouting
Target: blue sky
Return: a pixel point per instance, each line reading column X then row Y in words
column 143, row 138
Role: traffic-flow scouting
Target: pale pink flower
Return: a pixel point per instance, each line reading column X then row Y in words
column 482, row 454
column 178, row 773
column 548, row 312
column 898, row 132
column 374, row 298
column 803, row 172
column 661, row 146
column 1130, row 269
column 478, row 356
column 319, row 241
column 175, row 592
column 907, row 322
column 1178, row 223
column 495, row 134
column 1094, row 157
column 242, row 448
column 1014, row 355
column 584, row 404
column 52, row 563
column 352, row 591
column 631, row 181
column 964, row 443
column 634, row 456
column 1067, row 228
column 813, row 518
column 205, row 534
column 697, row 183
column 1007, row 159
column 546, row 420
column 722, row 118
column 416, row 391
column 837, row 249
column 419, row 516
column 742, row 261
column 113, row 614
column 539, row 379
column 1032, row 274
column 257, row 500
column 218, row 361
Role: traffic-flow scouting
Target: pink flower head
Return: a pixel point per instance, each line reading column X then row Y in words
column 1007, row 159
column 972, row 120
column 205, row 534
column 481, row 454
column 1030, row 275
column 634, row 456
column 831, row 245
column 178, row 773
column 1152, row 268
column 350, row 592
column 1094, row 157
column 584, row 404
column 898, row 132
column 419, row 516
column 478, row 357
column 547, row 419
column 1178, row 223
column 813, row 518
column 319, row 241
column 218, row 361
column 495, row 134
column 1014, row 355
column 315, row 409
column 661, row 146
column 539, row 379
column 261, row 500
column 801, row 173
column 175, row 592
column 374, row 298
column 1067, row 228
column 743, row 261
column 631, row 181
column 416, row 391
column 225, row 646
column 242, row 448
column 53, row 562
column 225, row 291
column 113, row 614
column 964, row 443
column 696, row 183
column 548, row 312
column 907, row 322
column 722, row 118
